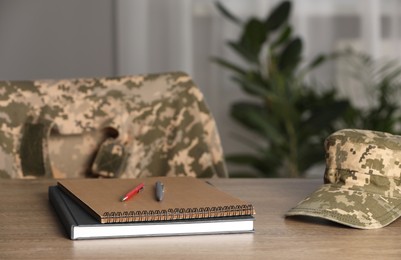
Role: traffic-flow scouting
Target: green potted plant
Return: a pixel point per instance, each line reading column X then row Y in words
column 290, row 116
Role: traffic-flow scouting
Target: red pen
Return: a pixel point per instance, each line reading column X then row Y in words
column 131, row 193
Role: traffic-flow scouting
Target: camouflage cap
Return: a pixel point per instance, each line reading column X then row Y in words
column 362, row 180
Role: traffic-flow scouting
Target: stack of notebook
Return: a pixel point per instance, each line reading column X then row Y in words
column 93, row 208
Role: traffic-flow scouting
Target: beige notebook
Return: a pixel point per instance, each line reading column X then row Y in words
column 184, row 198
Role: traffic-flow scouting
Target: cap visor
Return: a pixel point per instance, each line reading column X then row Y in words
column 358, row 209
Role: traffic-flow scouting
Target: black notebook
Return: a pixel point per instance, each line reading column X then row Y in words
column 80, row 224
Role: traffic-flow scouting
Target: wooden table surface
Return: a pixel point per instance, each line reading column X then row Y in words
column 29, row 229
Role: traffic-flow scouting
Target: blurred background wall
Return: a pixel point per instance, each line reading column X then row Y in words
column 59, row 39
column 53, row 39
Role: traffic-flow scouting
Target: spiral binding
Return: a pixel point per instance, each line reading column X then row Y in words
column 177, row 214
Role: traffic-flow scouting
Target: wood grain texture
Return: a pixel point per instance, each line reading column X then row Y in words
column 29, row 228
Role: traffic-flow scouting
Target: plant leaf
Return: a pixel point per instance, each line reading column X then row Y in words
column 229, row 65
column 284, row 35
column 253, row 36
column 251, row 41
column 242, row 51
column 326, row 113
column 252, row 86
column 254, row 117
column 291, row 56
column 318, row 60
column 227, row 13
column 310, row 154
column 278, row 16
column 265, row 166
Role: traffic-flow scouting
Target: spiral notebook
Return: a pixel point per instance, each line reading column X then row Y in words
column 79, row 224
column 184, row 198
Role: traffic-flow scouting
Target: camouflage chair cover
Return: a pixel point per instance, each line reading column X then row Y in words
column 139, row 126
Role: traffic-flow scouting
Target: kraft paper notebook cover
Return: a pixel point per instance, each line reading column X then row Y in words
column 184, row 198
column 81, row 225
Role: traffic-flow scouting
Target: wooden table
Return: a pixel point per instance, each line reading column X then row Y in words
column 29, row 228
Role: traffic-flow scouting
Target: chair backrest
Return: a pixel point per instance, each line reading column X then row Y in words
column 128, row 127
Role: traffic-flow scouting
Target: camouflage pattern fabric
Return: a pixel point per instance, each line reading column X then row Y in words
column 128, row 127
column 362, row 180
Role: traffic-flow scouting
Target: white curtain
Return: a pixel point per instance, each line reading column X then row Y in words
column 169, row 35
